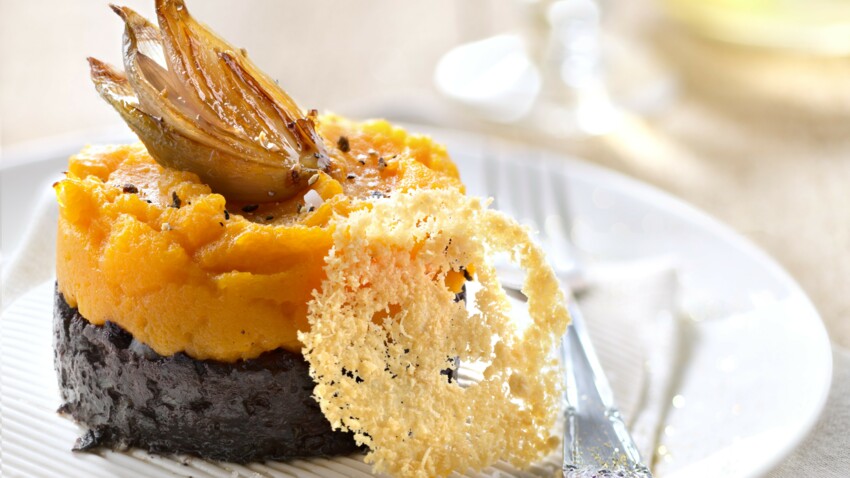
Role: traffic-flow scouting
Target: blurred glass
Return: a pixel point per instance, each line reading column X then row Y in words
column 574, row 99
column 546, row 75
column 819, row 27
column 559, row 73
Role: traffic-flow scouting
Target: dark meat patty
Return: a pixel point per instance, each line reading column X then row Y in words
column 128, row 395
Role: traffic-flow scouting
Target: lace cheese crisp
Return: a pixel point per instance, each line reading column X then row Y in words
column 384, row 328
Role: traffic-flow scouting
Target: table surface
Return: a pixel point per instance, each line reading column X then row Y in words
column 760, row 140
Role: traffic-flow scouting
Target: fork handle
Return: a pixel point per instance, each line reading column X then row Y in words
column 596, row 439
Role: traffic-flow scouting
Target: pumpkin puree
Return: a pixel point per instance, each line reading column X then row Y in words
column 184, row 270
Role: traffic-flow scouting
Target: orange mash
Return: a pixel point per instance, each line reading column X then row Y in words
column 155, row 251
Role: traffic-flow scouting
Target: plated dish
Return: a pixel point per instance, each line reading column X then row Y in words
column 259, row 282
column 746, row 312
column 255, row 281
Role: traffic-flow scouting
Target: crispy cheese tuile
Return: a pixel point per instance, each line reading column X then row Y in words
column 384, row 324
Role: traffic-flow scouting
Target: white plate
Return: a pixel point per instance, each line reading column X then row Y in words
column 759, row 362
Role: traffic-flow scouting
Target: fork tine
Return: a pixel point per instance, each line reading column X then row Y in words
column 491, row 179
column 551, row 214
column 559, row 220
column 543, row 209
column 535, row 204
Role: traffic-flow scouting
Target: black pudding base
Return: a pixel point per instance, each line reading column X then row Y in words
column 128, row 395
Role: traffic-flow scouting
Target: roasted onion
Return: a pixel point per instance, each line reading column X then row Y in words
column 198, row 104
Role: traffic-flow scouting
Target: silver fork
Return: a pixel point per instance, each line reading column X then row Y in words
column 596, row 440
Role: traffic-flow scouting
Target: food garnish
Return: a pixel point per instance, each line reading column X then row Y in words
column 201, row 105
column 383, row 324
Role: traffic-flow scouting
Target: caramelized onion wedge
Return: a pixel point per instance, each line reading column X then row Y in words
column 243, row 180
column 200, row 105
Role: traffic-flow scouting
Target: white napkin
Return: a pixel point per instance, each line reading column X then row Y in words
column 630, row 310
